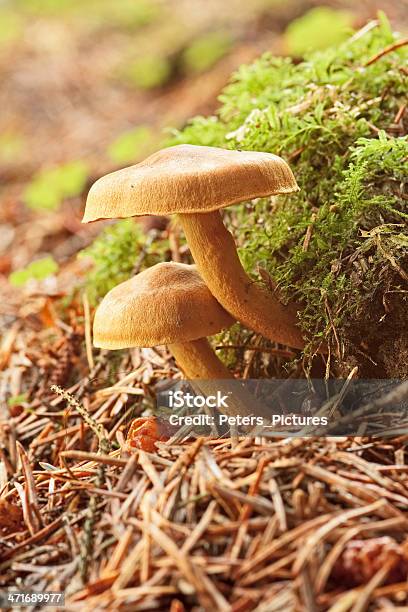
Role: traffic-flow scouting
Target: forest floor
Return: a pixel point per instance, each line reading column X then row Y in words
column 290, row 524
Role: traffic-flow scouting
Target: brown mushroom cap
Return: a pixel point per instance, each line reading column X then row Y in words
column 188, row 179
column 165, row 304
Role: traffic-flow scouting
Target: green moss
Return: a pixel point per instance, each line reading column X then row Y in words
column 50, row 186
column 11, row 27
column 206, row 51
column 37, row 270
column 147, row 72
column 49, row 7
column 332, row 117
column 123, row 14
column 131, row 145
column 340, row 245
column 17, row 400
column 126, row 13
column 319, row 28
column 11, row 145
column 119, row 252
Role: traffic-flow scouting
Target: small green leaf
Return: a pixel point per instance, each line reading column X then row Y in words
column 206, row 51
column 319, row 28
column 40, row 195
column 51, row 186
column 148, row 72
column 400, row 240
column 47, row 7
column 19, row 278
column 16, row 400
column 41, row 268
column 386, row 29
column 130, row 145
column 123, row 14
column 70, row 178
column 11, row 27
column 37, row 270
column 11, row 145
column 126, row 13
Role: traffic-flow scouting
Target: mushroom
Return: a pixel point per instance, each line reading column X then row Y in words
column 166, row 304
column 196, row 182
column 169, row 303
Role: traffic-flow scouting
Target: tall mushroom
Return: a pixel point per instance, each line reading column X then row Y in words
column 169, row 303
column 196, row 182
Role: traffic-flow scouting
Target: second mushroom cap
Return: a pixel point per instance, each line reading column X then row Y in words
column 167, row 303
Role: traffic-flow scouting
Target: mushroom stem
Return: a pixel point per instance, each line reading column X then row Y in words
column 198, row 360
column 214, row 251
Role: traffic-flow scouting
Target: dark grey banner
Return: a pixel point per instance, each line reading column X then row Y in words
column 313, row 407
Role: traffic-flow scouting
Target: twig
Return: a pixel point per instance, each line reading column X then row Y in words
column 392, row 260
column 87, row 544
column 88, row 333
column 30, row 507
column 97, row 428
column 309, row 232
column 400, row 113
column 286, row 354
column 85, row 456
column 386, row 50
column 151, row 237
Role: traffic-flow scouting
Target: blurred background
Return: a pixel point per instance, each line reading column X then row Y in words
column 91, row 85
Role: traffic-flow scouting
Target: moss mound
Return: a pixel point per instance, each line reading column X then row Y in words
column 340, row 246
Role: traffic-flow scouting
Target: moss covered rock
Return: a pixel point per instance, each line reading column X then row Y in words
column 340, row 246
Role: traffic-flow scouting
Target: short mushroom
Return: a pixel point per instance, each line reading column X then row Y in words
column 196, row 182
column 170, row 304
